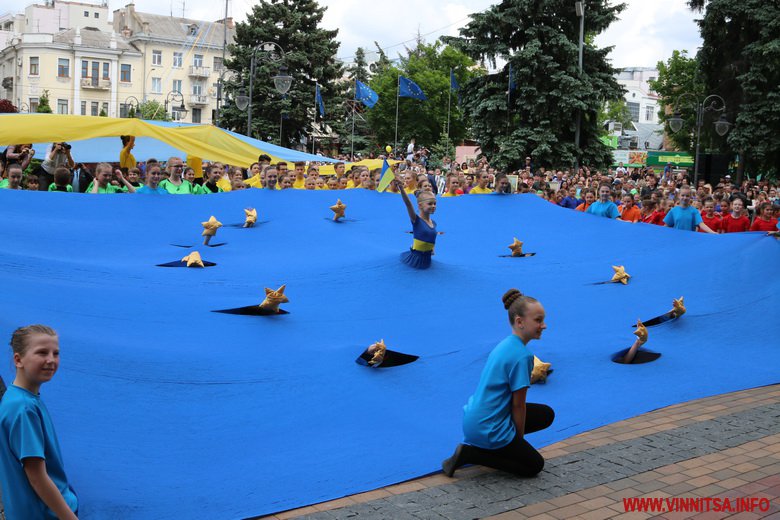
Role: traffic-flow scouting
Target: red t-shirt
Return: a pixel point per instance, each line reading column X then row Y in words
column 760, row 224
column 735, row 225
column 656, row 217
column 713, row 223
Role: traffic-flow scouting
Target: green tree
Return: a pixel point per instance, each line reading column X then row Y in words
column 43, row 103
column 429, row 66
column 614, row 111
column 679, row 76
column 359, row 68
column 153, row 110
column 444, row 147
column 103, row 113
column 540, row 39
column 309, row 56
column 739, row 61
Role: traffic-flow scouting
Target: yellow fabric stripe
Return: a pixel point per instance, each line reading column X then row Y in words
column 419, row 245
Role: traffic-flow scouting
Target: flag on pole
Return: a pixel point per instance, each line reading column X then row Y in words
column 365, row 95
column 318, row 100
column 453, row 82
column 512, row 83
column 386, row 178
column 408, row 88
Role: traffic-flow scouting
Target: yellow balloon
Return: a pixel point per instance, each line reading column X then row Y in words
column 389, row 149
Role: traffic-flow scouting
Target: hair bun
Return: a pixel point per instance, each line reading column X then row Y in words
column 510, row 296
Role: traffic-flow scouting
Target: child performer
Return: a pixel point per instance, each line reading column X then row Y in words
column 33, row 476
column 497, row 417
column 423, row 228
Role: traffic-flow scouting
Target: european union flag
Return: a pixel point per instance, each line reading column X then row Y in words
column 318, row 99
column 408, row 88
column 365, row 95
column 453, row 82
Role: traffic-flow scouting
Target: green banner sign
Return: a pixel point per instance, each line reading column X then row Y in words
column 676, row 158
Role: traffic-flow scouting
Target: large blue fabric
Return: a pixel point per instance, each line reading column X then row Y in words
column 165, row 409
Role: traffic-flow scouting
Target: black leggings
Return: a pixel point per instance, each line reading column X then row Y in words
column 517, row 457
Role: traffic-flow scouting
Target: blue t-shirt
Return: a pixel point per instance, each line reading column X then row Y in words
column 26, row 431
column 604, row 209
column 683, row 218
column 487, row 417
column 152, row 191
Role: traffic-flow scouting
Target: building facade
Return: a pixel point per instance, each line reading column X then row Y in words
column 641, row 101
column 90, row 65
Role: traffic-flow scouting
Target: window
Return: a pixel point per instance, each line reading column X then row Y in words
column 62, row 106
column 196, row 115
column 84, row 69
column 94, row 108
column 218, row 63
column 197, row 88
column 176, row 115
column 33, row 104
column 157, row 85
column 86, row 14
column 97, row 15
column 197, row 60
column 176, row 85
column 124, row 73
column 34, row 65
column 123, row 110
column 633, row 108
column 63, row 69
column 106, row 66
column 105, row 108
column 83, row 108
column 177, row 59
column 156, row 57
column 95, row 72
column 649, row 112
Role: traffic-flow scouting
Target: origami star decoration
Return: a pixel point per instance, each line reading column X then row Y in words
column 540, row 370
column 641, row 332
column 210, row 227
column 338, row 210
column 620, row 275
column 516, row 247
column 193, row 260
column 678, row 308
column 251, row 217
column 378, row 349
column 274, row 298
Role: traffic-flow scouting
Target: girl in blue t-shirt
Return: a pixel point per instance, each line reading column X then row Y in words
column 497, row 417
column 33, row 476
column 423, row 228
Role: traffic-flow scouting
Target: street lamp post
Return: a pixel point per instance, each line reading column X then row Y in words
column 711, row 103
column 268, row 51
column 175, row 95
column 221, row 92
column 579, row 8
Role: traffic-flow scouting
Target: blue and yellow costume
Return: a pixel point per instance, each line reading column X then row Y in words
column 419, row 256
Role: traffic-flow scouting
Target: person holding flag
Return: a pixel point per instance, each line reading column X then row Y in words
column 423, row 228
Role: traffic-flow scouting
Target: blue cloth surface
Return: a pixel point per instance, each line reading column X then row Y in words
column 487, row 417
column 165, row 409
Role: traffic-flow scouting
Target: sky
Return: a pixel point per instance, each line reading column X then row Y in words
column 647, row 32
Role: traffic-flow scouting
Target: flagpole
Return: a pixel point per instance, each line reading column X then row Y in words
column 449, row 102
column 316, row 107
column 352, row 145
column 397, row 96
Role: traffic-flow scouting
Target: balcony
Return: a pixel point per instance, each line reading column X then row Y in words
column 200, row 72
column 95, row 83
column 196, row 100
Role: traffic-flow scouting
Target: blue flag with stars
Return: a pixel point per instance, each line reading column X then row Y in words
column 318, row 99
column 408, row 88
column 365, row 95
column 453, row 82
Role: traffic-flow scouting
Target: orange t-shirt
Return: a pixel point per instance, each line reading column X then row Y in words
column 632, row 215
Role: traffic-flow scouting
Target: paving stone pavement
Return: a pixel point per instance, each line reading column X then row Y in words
column 649, row 460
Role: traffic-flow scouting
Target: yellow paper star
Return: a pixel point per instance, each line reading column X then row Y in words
column 193, row 260
column 338, row 210
column 210, row 227
column 620, row 274
column 251, row 217
column 641, row 331
column 378, row 349
column 678, row 307
column 274, row 298
column 516, row 247
column 540, row 370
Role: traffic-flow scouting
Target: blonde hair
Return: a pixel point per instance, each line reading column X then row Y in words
column 20, row 336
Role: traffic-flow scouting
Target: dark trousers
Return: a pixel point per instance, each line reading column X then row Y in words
column 517, row 457
column 44, row 178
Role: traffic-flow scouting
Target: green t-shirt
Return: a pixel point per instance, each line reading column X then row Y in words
column 185, row 188
column 110, row 188
column 68, row 188
column 205, row 189
column 3, row 183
